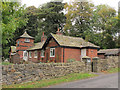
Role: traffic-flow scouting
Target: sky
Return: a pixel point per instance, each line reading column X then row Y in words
column 36, row 3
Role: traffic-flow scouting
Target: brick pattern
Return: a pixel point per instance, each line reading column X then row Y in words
column 70, row 53
column 23, row 46
column 33, row 59
column 62, row 54
column 91, row 53
column 101, row 56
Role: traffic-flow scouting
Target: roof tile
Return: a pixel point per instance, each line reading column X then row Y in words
column 72, row 41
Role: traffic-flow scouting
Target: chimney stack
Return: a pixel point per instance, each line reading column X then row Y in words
column 59, row 32
column 43, row 37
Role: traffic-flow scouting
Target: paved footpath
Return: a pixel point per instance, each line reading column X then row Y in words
column 102, row 81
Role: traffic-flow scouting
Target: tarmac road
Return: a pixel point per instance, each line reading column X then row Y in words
column 102, row 81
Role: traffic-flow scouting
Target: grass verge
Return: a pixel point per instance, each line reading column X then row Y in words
column 113, row 70
column 6, row 63
column 45, row 83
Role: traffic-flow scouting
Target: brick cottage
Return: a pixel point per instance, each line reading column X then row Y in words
column 54, row 48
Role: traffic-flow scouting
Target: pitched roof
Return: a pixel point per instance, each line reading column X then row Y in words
column 109, row 51
column 25, row 35
column 38, row 45
column 72, row 41
column 13, row 49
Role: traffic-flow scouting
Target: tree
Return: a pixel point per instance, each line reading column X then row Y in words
column 104, row 23
column 79, row 15
column 117, row 39
column 31, row 26
column 51, row 17
column 104, row 19
column 12, row 18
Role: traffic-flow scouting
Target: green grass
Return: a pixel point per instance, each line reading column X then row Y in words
column 113, row 70
column 6, row 63
column 45, row 83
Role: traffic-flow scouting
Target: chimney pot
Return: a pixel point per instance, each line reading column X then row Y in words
column 59, row 32
column 43, row 37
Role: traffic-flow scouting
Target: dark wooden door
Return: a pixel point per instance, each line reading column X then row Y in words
column 47, row 57
column 38, row 56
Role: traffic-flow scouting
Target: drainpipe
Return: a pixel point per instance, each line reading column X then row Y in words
column 63, row 55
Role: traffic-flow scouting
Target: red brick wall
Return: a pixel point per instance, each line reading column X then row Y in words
column 91, row 53
column 57, row 57
column 52, row 43
column 33, row 59
column 70, row 53
column 23, row 46
column 47, row 57
column 101, row 56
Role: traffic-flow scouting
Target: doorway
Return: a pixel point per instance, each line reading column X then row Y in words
column 47, row 57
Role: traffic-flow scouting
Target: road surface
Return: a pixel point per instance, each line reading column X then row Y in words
column 102, row 81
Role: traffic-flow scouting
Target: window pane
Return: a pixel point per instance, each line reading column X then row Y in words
column 30, row 54
column 42, row 53
column 35, row 54
column 25, row 53
column 53, row 52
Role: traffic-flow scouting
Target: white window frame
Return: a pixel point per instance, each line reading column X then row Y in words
column 51, row 51
column 42, row 53
column 30, row 54
column 35, row 54
column 25, row 57
column 27, row 40
column 25, row 52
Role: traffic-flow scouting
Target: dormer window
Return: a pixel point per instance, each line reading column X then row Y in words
column 27, row 40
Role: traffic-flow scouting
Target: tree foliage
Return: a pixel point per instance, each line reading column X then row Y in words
column 79, row 15
column 31, row 26
column 104, row 23
column 97, row 24
column 50, row 17
column 12, row 18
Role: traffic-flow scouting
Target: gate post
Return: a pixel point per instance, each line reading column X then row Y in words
column 96, row 64
column 87, row 62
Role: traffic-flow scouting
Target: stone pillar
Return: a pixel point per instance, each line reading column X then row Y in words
column 96, row 65
column 87, row 62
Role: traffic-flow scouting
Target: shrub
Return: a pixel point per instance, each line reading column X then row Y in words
column 7, row 63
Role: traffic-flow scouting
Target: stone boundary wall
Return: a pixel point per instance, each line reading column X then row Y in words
column 15, row 74
column 105, row 64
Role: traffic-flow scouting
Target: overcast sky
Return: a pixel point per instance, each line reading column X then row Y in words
column 36, row 3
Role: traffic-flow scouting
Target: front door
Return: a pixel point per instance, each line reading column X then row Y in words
column 83, row 53
column 39, row 56
column 47, row 57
